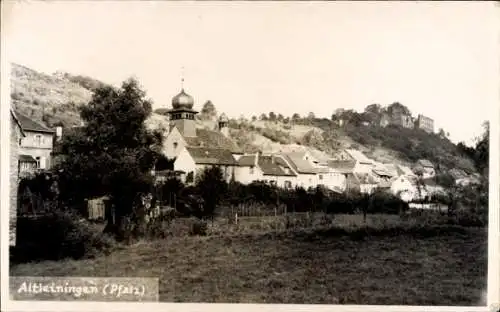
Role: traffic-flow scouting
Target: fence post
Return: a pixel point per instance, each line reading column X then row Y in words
column 275, row 211
column 236, row 218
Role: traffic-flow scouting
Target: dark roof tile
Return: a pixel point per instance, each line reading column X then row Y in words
column 29, row 124
column 211, row 156
column 212, row 139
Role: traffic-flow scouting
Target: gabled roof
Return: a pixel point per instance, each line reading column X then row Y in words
column 382, row 172
column 274, row 165
column 299, row 164
column 211, row 156
column 457, row 173
column 342, row 166
column 28, row 124
column 425, row 163
column 404, row 170
column 16, row 120
column 211, row 139
column 359, row 156
column 393, row 170
column 246, row 161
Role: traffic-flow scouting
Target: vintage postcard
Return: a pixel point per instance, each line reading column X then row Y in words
column 250, row 155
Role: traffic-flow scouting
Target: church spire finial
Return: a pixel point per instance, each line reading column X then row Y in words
column 182, row 78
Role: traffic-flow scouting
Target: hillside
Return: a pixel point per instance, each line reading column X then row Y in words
column 54, row 99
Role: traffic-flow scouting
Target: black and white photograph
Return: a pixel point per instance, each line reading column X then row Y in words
column 267, row 152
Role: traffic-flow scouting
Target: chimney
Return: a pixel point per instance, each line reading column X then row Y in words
column 257, row 157
column 58, row 133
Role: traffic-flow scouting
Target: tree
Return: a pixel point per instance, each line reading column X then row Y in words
column 208, row 112
column 295, row 117
column 272, row 116
column 398, row 107
column 212, row 188
column 113, row 154
column 442, row 133
column 482, row 153
column 311, row 116
column 254, row 118
column 263, row 116
column 280, row 117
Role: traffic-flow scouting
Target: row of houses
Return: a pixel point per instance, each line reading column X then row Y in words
column 193, row 149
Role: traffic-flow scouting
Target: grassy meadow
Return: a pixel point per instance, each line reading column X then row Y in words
column 380, row 262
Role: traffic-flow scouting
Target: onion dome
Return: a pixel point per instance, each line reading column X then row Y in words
column 182, row 100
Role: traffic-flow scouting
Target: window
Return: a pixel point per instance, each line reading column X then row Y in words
column 37, row 162
column 288, row 184
column 251, row 170
column 321, row 177
column 175, row 144
column 37, row 140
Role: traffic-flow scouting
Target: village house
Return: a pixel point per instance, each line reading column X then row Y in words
column 37, row 144
column 407, row 188
column 362, row 163
column 426, row 167
column 269, row 168
column 462, row 178
column 344, row 170
column 193, row 160
column 306, row 174
column 16, row 135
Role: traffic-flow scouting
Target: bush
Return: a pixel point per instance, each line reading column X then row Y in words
column 59, row 235
column 199, row 228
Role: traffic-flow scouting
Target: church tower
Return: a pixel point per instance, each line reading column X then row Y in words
column 182, row 114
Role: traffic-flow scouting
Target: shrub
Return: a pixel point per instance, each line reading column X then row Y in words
column 199, row 227
column 59, row 235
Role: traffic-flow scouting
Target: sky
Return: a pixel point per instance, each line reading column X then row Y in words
column 439, row 59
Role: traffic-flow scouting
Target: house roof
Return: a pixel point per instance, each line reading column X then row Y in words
column 359, row 156
column 393, row 170
column 342, row 166
column 404, row 170
column 274, row 165
column 299, row 164
column 457, row 173
column 246, row 161
column 211, row 156
column 425, row 163
column 28, row 124
column 213, row 139
column 381, row 171
column 16, row 120
column 27, row 158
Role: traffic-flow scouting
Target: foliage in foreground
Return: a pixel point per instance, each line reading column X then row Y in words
column 59, row 235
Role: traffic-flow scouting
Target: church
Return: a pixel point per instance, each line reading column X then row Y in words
column 194, row 149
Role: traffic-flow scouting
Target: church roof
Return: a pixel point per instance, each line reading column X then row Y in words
column 211, row 139
column 211, row 156
column 182, row 101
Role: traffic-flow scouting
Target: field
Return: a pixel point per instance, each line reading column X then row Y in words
column 327, row 267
